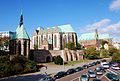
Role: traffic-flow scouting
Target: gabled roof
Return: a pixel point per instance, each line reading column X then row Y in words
column 21, row 33
column 91, row 36
column 66, row 28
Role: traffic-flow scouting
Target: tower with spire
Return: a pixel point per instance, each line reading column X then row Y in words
column 20, row 44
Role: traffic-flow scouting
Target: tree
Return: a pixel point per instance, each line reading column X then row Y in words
column 104, row 53
column 70, row 45
column 78, row 46
column 116, row 57
column 112, row 50
column 91, row 53
column 58, row 60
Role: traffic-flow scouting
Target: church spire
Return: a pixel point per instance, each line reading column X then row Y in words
column 21, row 19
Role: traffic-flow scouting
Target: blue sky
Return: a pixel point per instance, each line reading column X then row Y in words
column 83, row 15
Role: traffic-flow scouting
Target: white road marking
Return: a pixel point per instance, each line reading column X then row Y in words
column 112, row 71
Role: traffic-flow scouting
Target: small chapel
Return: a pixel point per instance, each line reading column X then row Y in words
column 20, row 43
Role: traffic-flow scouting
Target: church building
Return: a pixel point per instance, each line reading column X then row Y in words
column 20, row 43
column 53, row 38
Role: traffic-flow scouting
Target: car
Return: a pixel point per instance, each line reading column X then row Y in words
column 98, row 62
column 95, row 79
column 84, row 77
column 91, row 74
column 105, row 65
column 115, row 67
column 112, row 76
column 47, row 78
column 101, row 68
column 90, row 64
column 78, row 69
column 98, row 72
column 85, row 66
column 70, row 71
column 60, row 74
column 119, row 65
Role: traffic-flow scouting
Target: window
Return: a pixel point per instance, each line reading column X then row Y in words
column 55, row 41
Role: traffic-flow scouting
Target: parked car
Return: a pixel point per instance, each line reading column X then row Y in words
column 47, row 78
column 84, row 77
column 70, row 71
column 90, row 64
column 99, row 72
column 78, row 69
column 115, row 67
column 96, row 79
column 105, row 65
column 119, row 65
column 60, row 75
column 98, row 62
column 85, row 66
column 101, row 68
column 91, row 74
column 112, row 76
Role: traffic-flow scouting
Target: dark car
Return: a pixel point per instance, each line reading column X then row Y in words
column 98, row 62
column 96, row 79
column 78, row 69
column 91, row 74
column 112, row 76
column 60, row 75
column 84, row 77
column 90, row 65
column 101, row 68
column 85, row 66
column 70, row 71
column 47, row 78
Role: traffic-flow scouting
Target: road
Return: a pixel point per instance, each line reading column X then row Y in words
column 76, row 76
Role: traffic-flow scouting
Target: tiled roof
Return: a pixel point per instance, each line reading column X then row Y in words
column 21, row 33
column 91, row 36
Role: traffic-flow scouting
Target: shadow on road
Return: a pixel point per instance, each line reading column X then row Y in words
column 34, row 77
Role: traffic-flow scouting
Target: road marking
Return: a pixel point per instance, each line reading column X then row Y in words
column 75, row 79
column 103, row 75
column 111, row 71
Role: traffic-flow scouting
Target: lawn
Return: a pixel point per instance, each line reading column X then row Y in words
column 70, row 62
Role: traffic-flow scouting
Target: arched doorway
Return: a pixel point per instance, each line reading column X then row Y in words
column 19, row 48
column 25, row 48
column 48, row 59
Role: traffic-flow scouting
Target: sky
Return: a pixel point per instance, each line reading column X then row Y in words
column 83, row 15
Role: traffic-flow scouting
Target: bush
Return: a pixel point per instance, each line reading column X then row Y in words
column 18, row 65
column 58, row 60
column 116, row 57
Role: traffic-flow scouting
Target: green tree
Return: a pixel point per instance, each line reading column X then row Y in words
column 104, row 53
column 112, row 50
column 91, row 53
column 78, row 46
column 58, row 60
column 70, row 45
column 116, row 57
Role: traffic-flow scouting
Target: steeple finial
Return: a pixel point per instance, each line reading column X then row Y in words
column 21, row 18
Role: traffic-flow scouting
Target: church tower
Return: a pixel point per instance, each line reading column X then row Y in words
column 21, row 41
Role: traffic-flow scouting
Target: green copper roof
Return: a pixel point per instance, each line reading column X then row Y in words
column 91, row 36
column 65, row 28
column 21, row 33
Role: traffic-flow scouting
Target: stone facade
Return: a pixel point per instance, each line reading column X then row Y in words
column 47, row 55
column 20, row 43
column 53, row 38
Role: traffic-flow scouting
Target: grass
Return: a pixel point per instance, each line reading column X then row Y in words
column 69, row 62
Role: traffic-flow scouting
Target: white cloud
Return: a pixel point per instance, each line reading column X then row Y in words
column 96, row 25
column 115, row 5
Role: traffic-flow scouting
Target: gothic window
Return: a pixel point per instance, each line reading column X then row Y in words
column 25, row 48
column 39, row 40
column 19, row 47
column 55, row 41
column 73, row 38
column 65, row 39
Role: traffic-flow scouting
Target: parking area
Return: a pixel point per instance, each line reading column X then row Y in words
column 76, row 76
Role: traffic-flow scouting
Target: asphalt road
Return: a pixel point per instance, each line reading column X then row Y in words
column 32, row 77
column 76, row 76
